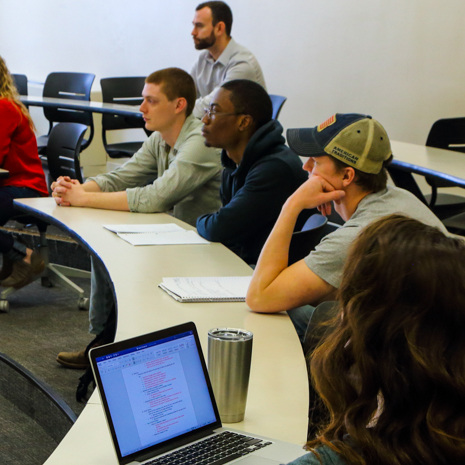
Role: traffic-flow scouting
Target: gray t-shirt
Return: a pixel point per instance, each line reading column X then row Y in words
column 328, row 258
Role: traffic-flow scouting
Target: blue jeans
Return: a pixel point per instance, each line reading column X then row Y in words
column 7, row 211
column 101, row 298
column 300, row 316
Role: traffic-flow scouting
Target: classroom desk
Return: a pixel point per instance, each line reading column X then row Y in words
column 278, row 391
column 430, row 161
column 4, row 173
column 84, row 105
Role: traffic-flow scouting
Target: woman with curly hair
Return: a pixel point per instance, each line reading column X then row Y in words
column 391, row 370
column 18, row 155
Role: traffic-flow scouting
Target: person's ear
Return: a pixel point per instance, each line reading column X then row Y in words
column 181, row 104
column 348, row 176
column 245, row 122
column 220, row 28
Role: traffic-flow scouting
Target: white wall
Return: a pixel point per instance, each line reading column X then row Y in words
column 400, row 60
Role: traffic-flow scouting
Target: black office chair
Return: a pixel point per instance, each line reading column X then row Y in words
column 278, row 102
column 63, row 151
column 75, row 86
column 304, row 241
column 405, row 180
column 123, row 91
column 26, row 393
column 20, row 81
column 448, row 134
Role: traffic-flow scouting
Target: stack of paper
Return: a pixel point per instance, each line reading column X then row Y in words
column 155, row 234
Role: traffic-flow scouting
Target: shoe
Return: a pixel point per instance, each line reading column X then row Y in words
column 24, row 273
column 7, row 268
column 76, row 360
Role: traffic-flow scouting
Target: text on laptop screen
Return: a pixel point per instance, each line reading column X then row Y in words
column 149, row 398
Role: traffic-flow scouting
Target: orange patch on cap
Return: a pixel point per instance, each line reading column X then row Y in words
column 327, row 123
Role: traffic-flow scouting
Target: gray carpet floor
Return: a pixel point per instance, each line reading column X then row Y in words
column 41, row 322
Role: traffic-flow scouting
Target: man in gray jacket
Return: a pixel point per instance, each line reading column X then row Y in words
column 172, row 172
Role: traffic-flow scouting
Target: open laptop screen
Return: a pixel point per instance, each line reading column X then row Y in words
column 154, row 391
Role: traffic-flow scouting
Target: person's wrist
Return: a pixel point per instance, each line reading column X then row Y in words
column 85, row 199
column 293, row 205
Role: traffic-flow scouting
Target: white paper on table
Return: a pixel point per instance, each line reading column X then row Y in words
column 143, row 228
column 163, row 238
column 207, row 289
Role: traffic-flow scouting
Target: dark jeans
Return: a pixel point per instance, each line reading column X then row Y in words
column 317, row 328
column 7, row 211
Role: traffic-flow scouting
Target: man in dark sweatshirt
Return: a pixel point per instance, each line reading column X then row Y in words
column 260, row 171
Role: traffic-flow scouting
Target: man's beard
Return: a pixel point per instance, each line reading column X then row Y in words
column 202, row 44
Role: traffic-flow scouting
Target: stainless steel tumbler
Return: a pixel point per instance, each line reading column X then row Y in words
column 229, row 356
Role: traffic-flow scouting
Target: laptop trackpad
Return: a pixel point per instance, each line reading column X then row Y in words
column 256, row 460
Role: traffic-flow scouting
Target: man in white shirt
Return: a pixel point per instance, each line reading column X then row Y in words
column 222, row 58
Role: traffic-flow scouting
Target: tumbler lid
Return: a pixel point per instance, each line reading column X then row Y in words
column 230, row 334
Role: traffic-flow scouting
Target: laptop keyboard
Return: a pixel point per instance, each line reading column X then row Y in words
column 216, row 450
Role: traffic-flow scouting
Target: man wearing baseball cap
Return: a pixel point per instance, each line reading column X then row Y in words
column 348, row 154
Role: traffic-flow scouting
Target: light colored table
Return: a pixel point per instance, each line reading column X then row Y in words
column 430, row 161
column 84, row 105
column 278, row 392
column 4, row 173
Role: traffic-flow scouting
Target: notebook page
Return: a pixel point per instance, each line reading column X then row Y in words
column 207, row 289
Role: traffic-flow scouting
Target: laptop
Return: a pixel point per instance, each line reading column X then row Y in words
column 159, row 403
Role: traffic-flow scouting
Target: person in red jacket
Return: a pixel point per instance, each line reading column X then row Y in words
column 18, row 155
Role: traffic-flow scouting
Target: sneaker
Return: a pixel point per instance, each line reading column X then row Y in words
column 24, row 273
column 76, row 360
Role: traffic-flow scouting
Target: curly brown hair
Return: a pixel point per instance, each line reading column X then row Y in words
column 8, row 90
column 392, row 369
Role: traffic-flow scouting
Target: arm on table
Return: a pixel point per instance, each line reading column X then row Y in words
column 275, row 286
column 193, row 166
column 70, row 192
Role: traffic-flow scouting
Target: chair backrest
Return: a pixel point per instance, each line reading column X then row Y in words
column 75, row 86
column 447, row 133
column 63, row 150
column 35, row 399
column 305, row 240
column 278, row 102
column 122, row 91
column 405, row 180
column 20, row 81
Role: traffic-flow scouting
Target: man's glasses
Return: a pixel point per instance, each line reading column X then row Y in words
column 211, row 113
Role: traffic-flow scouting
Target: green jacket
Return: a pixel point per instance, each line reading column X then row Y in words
column 158, row 178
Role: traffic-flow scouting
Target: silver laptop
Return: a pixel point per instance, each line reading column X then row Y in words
column 159, row 404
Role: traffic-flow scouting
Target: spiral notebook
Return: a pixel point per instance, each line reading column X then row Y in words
column 207, row 289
